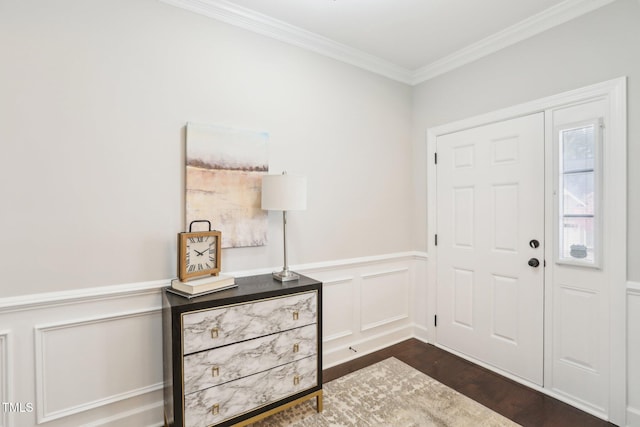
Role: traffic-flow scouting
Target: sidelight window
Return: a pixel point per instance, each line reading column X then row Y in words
column 578, row 193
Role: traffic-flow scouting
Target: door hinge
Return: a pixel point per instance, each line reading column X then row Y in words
column 435, row 158
column 436, row 239
column 435, row 320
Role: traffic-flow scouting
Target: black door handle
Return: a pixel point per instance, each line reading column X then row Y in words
column 534, row 243
column 533, row 262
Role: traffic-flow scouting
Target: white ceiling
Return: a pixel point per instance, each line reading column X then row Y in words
column 407, row 40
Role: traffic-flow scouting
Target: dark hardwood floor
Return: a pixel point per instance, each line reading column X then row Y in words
column 521, row 404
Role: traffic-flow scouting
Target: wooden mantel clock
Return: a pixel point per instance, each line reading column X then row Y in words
column 199, row 253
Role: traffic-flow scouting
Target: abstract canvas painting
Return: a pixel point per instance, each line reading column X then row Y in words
column 224, row 169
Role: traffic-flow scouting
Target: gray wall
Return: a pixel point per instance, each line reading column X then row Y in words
column 94, row 99
column 599, row 46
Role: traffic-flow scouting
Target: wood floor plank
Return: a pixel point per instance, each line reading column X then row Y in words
column 515, row 401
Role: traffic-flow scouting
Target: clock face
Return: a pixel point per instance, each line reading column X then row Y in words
column 201, row 254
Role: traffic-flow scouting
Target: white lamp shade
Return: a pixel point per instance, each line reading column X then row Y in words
column 284, row 192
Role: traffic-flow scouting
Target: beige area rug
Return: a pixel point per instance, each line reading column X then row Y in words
column 388, row 394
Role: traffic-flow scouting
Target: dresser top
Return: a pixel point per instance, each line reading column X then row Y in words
column 248, row 289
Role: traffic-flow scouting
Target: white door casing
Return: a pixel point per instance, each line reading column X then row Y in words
column 490, row 195
column 611, row 330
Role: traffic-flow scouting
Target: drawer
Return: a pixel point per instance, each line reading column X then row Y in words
column 207, row 329
column 223, row 364
column 219, row 403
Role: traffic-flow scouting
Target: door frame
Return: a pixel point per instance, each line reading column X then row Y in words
column 615, row 169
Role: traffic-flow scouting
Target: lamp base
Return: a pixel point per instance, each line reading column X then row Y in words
column 285, row 276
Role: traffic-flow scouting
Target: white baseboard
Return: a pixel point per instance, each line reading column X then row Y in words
column 421, row 333
column 143, row 416
column 633, row 417
column 528, row 384
column 366, row 346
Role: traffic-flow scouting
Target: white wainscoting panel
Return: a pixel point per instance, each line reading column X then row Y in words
column 97, row 352
column 338, row 305
column 370, row 303
column 86, row 357
column 5, row 375
column 385, row 298
column 633, row 354
column 87, row 363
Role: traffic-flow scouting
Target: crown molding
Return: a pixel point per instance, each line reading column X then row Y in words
column 248, row 19
column 536, row 24
column 262, row 24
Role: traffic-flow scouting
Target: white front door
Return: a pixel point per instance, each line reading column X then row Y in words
column 490, row 231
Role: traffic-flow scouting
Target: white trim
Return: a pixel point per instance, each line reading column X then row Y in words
column 328, row 265
column 262, row 24
column 616, row 227
column 6, row 370
column 616, row 224
column 50, row 299
column 633, row 288
column 251, row 20
column 420, row 333
column 371, row 344
column 155, row 407
column 633, row 414
column 384, row 273
column 533, row 386
column 346, row 333
column 353, row 262
column 383, row 322
column 338, row 281
column 545, row 20
column 40, row 355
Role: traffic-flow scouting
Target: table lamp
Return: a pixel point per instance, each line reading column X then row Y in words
column 284, row 193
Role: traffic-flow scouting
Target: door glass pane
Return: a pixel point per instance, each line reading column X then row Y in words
column 578, row 219
column 579, row 193
column 577, row 239
column 578, row 146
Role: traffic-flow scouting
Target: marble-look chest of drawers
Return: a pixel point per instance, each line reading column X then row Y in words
column 239, row 355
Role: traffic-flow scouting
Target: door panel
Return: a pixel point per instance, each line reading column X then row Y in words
column 490, row 192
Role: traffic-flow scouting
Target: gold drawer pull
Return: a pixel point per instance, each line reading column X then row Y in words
column 296, row 348
column 296, row 315
column 214, row 333
column 296, row 380
column 215, row 371
column 215, row 409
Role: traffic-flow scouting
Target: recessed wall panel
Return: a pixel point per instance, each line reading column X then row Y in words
column 463, row 297
column 505, row 308
column 463, row 216
column 506, row 217
column 85, row 364
column 385, row 298
column 337, row 303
